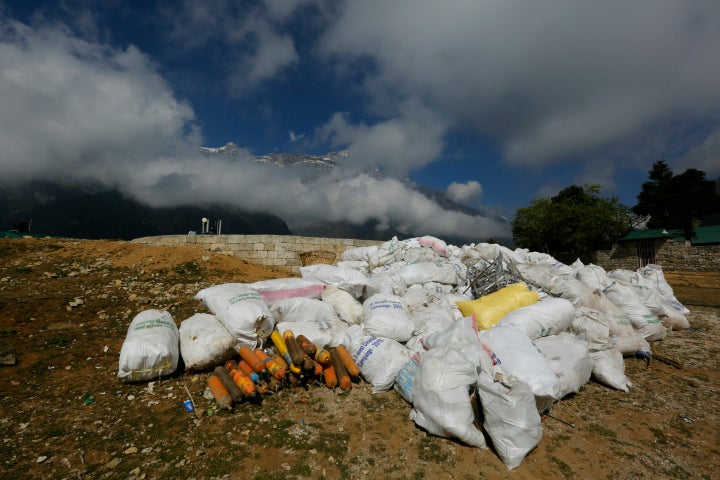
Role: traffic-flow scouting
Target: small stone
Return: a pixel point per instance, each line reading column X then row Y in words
column 131, row 451
column 146, row 450
column 42, row 458
column 135, row 471
column 113, row 463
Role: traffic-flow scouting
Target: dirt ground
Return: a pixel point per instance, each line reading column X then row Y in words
column 66, row 306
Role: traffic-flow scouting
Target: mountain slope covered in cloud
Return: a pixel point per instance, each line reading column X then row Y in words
column 92, row 212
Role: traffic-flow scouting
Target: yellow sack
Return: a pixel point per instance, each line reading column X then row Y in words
column 489, row 309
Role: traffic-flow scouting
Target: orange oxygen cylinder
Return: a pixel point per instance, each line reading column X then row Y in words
column 340, row 371
column 330, row 377
column 296, row 353
column 306, row 345
column 348, row 361
column 271, row 365
column 219, row 392
column 233, row 390
column 322, row 356
column 248, row 354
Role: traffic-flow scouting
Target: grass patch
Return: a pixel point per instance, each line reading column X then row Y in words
column 431, row 449
column 58, row 341
column 7, row 332
column 659, row 436
column 188, row 269
column 601, row 430
column 564, row 468
column 678, row 472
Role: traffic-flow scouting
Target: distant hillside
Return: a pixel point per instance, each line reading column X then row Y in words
column 96, row 212
column 76, row 212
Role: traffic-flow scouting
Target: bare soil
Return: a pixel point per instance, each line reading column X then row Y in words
column 65, row 307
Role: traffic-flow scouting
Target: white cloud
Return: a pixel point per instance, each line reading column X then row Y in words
column 77, row 110
column 398, row 145
column 73, row 108
column 548, row 83
column 464, row 192
column 295, row 137
column 354, row 199
column 273, row 52
column 253, row 46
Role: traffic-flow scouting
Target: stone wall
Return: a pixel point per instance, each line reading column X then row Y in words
column 671, row 255
column 277, row 251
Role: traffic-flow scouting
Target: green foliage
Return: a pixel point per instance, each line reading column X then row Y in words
column 571, row 224
column 677, row 201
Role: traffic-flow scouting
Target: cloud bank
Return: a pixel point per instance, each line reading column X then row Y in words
column 76, row 110
column 549, row 83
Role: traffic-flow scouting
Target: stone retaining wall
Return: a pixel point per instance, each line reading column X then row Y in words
column 671, row 255
column 277, row 251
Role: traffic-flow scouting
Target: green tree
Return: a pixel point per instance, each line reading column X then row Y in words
column 571, row 224
column 677, row 201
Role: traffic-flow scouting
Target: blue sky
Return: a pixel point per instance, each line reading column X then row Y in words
column 494, row 102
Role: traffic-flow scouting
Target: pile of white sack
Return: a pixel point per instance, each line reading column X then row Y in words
column 403, row 311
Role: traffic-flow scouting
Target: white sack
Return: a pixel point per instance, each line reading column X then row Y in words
column 347, row 307
column 405, row 378
column 204, row 342
column 433, row 318
column 593, row 276
column 435, row 243
column 520, row 357
column 643, row 320
column 590, row 325
column 609, row 369
column 303, row 309
column 419, row 273
column 438, row 290
column 376, row 256
column 549, row 316
column 416, row 298
column 654, row 274
column 385, row 315
column 379, row 359
column 151, row 347
column 569, row 359
column 282, row 288
column 359, row 265
column 511, row 418
column 385, row 282
column 441, row 398
column 348, row 279
column 241, row 310
column 416, row 253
